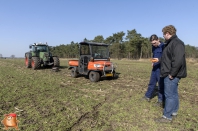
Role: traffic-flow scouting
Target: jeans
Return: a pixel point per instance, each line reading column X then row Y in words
column 155, row 77
column 171, row 96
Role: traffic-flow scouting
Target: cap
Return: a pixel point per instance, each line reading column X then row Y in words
column 12, row 114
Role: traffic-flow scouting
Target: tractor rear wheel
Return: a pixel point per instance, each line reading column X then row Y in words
column 74, row 74
column 27, row 62
column 56, row 61
column 35, row 63
column 94, row 76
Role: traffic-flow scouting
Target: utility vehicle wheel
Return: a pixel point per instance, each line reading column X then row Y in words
column 94, row 76
column 56, row 61
column 27, row 62
column 35, row 63
column 74, row 74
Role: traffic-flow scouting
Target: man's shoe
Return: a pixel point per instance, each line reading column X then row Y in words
column 174, row 115
column 163, row 120
column 145, row 99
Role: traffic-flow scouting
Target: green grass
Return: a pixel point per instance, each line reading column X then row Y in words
column 55, row 101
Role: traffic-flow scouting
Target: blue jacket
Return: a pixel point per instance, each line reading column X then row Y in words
column 157, row 53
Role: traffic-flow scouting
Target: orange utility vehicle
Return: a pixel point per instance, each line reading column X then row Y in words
column 94, row 62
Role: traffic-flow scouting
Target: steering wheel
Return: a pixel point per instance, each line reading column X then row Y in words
column 99, row 56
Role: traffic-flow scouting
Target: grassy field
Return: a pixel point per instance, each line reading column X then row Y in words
column 54, row 101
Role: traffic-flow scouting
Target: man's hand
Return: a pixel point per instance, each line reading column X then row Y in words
column 154, row 60
column 170, row 77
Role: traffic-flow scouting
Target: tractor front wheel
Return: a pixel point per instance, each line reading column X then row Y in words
column 35, row 63
column 74, row 74
column 56, row 61
column 94, row 76
column 27, row 62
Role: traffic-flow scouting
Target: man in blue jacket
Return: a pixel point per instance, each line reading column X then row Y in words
column 173, row 68
column 157, row 48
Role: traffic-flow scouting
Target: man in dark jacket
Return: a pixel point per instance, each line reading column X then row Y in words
column 173, row 68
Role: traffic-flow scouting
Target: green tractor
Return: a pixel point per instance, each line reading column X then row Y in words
column 40, row 55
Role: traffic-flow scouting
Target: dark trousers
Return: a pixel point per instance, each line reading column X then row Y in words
column 155, row 78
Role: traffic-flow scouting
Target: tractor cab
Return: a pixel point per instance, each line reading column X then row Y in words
column 39, row 47
column 94, row 61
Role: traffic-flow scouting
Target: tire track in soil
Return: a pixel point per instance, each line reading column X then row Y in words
column 86, row 115
column 95, row 110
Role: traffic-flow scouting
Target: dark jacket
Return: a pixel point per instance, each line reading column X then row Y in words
column 157, row 53
column 173, row 59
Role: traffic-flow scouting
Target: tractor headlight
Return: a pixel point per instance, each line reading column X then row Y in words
column 97, row 65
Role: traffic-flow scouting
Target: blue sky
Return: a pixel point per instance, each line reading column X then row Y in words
column 24, row 22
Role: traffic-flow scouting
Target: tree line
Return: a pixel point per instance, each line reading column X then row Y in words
column 131, row 45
